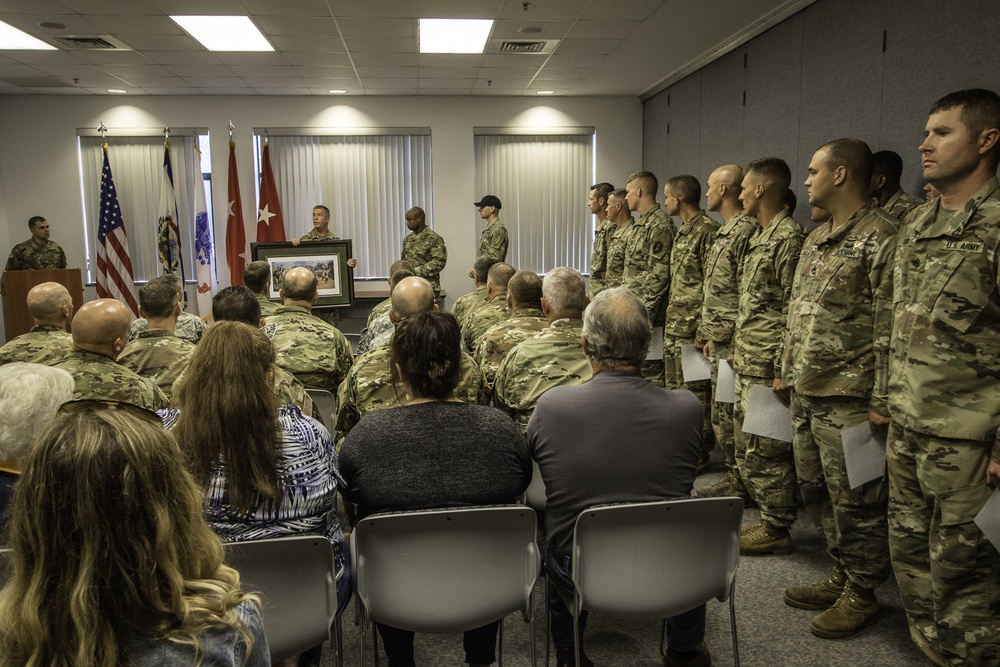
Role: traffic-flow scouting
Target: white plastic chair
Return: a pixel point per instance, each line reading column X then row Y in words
column 446, row 570
column 326, row 405
column 656, row 560
column 535, row 498
column 297, row 579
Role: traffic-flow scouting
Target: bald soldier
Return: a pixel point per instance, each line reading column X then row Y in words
column 524, row 300
column 371, row 383
column 495, row 310
column 312, row 350
column 382, row 307
column 379, row 330
column 47, row 343
column 100, row 331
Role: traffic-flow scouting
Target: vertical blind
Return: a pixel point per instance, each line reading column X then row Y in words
column 368, row 182
column 542, row 182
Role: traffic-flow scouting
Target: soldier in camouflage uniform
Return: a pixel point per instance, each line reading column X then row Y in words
column 687, row 288
column 723, row 271
column 550, row 358
column 47, row 343
column 379, row 330
column 765, row 464
column 38, row 252
column 495, row 310
column 493, row 242
column 476, row 299
column 524, row 299
column 943, row 448
column 646, row 268
column 321, row 232
column 621, row 218
column 885, row 186
column 189, row 327
column 597, row 202
column 839, row 321
column 99, row 331
column 316, row 353
column 157, row 353
column 371, row 383
column 257, row 276
column 424, row 249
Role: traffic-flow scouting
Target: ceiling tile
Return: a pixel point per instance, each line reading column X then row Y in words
column 366, row 45
column 602, row 29
column 524, row 60
column 135, row 71
column 274, row 82
column 295, row 8
column 386, row 72
column 574, row 61
column 282, row 91
column 175, row 7
column 266, row 58
column 391, row 91
column 63, row 91
column 172, row 91
column 215, row 81
column 136, row 25
column 540, row 11
column 98, row 82
column 160, row 42
column 200, row 70
column 145, row 82
column 485, row 82
column 262, row 70
column 331, row 83
column 446, row 83
column 377, row 27
column 374, row 8
column 324, row 72
column 200, row 58
column 70, row 70
column 210, row 90
column 104, row 6
column 16, row 69
column 372, row 82
column 448, row 72
column 45, row 57
column 569, row 47
column 505, row 73
column 108, row 57
column 638, row 10
column 461, row 9
column 75, row 25
column 385, row 59
column 445, row 91
column 563, row 73
column 311, row 60
column 314, row 44
column 449, row 59
column 298, row 26
column 510, row 29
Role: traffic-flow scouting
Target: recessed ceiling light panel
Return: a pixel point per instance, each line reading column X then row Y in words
column 337, row 91
column 454, row 35
column 224, row 33
column 13, row 39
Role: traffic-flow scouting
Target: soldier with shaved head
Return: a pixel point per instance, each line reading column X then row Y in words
column 524, row 300
column 47, row 343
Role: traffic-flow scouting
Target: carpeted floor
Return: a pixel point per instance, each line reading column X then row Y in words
column 771, row 634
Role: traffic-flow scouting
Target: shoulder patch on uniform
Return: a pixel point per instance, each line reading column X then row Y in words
column 658, row 247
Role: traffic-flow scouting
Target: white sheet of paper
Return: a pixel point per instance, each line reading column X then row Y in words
column 655, row 351
column 864, row 454
column 988, row 518
column 725, row 383
column 694, row 365
column 767, row 416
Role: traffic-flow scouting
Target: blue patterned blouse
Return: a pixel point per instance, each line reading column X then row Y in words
column 307, row 465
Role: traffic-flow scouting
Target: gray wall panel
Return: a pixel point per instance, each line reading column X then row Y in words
column 685, row 129
column 722, row 114
column 655, row 140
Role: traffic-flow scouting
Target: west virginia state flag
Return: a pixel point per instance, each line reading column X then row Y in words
column 167, row 235
column 270, row 224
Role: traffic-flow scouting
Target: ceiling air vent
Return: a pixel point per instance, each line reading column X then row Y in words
column 522, row 47
column 97, row 43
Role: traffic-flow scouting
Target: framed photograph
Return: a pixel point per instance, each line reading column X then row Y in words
column 327, row 259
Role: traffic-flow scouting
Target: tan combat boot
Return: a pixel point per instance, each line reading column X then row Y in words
column 855, row 609
column 821, row 595
column 764, row 539
column 723, row 488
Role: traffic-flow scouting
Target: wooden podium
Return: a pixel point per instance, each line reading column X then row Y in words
column 16, row 284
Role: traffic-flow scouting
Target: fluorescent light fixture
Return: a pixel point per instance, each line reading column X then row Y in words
column 337, row 91
column 545, row 92
column 224, row 33
column 454, row 35
column 12, row 39
column 117, row 91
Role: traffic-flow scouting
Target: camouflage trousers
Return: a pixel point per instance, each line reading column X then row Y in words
column 652, row 371
column 722, row 413
column 948, row 572
column 765, row 464
column 673, row 375
column 853, row 521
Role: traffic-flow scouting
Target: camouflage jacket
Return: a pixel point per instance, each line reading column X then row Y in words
column 943, row 360
column 614, row 271
column 371, row 385
column 98, row 377
column 315, row 352
column 44, row 344
column 28, row 255
column 159, row 356
column 900, row 204
column 267, row 307
column 768, row 273
column 501, row 339
column 426, row 253
column 599, row 258
column 381, row 308
column 550, row 358
column 723, row 272
column 840, row 313
column 376, row 330
column 478, row 321
column 313, row 235
column 647, row 260
column 493, row 242
column 189, row 327
column 692, row 246
column 467, row 303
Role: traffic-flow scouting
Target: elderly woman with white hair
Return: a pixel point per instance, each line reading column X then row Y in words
column 30, row 394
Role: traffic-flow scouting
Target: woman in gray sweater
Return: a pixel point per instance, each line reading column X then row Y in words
column 433, row 452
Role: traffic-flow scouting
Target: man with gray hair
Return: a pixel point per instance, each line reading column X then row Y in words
column 591, row 451
column 551, row 357
column 47, row 343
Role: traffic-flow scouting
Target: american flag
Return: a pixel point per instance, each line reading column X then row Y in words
column 114, row 266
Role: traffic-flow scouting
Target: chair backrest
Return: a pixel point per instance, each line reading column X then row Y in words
column 534, row 495
column 326, row 405
column 296, row 578
column 658, row 559
column 446, row 570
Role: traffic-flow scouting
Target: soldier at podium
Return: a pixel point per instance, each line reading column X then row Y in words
column 38, row 252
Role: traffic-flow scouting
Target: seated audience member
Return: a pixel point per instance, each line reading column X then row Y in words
column 189, row 327
column 382, row 307
column 30, row 394
column 434, row 452
column 550, row 358
column 268, row 471
column 157, row 353
column 524, row 300
column 468, row 303
column 257, row 276
column 47, row 343
column 592, row 449
column 495, row 310
column 379, row 330
column 114, row 563
column 100, row 328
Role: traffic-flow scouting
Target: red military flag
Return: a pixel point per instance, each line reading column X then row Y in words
column 236, row 235
column 270, row 224
column 114, row 265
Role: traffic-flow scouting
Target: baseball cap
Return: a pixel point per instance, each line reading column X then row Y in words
column 489, row 200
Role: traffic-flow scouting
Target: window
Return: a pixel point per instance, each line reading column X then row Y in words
column 542, row 182
column 367, row 182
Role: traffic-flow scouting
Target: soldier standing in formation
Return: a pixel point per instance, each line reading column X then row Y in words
column 597, row 203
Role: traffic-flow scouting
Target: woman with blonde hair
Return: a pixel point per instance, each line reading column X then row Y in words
column 113, row 562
